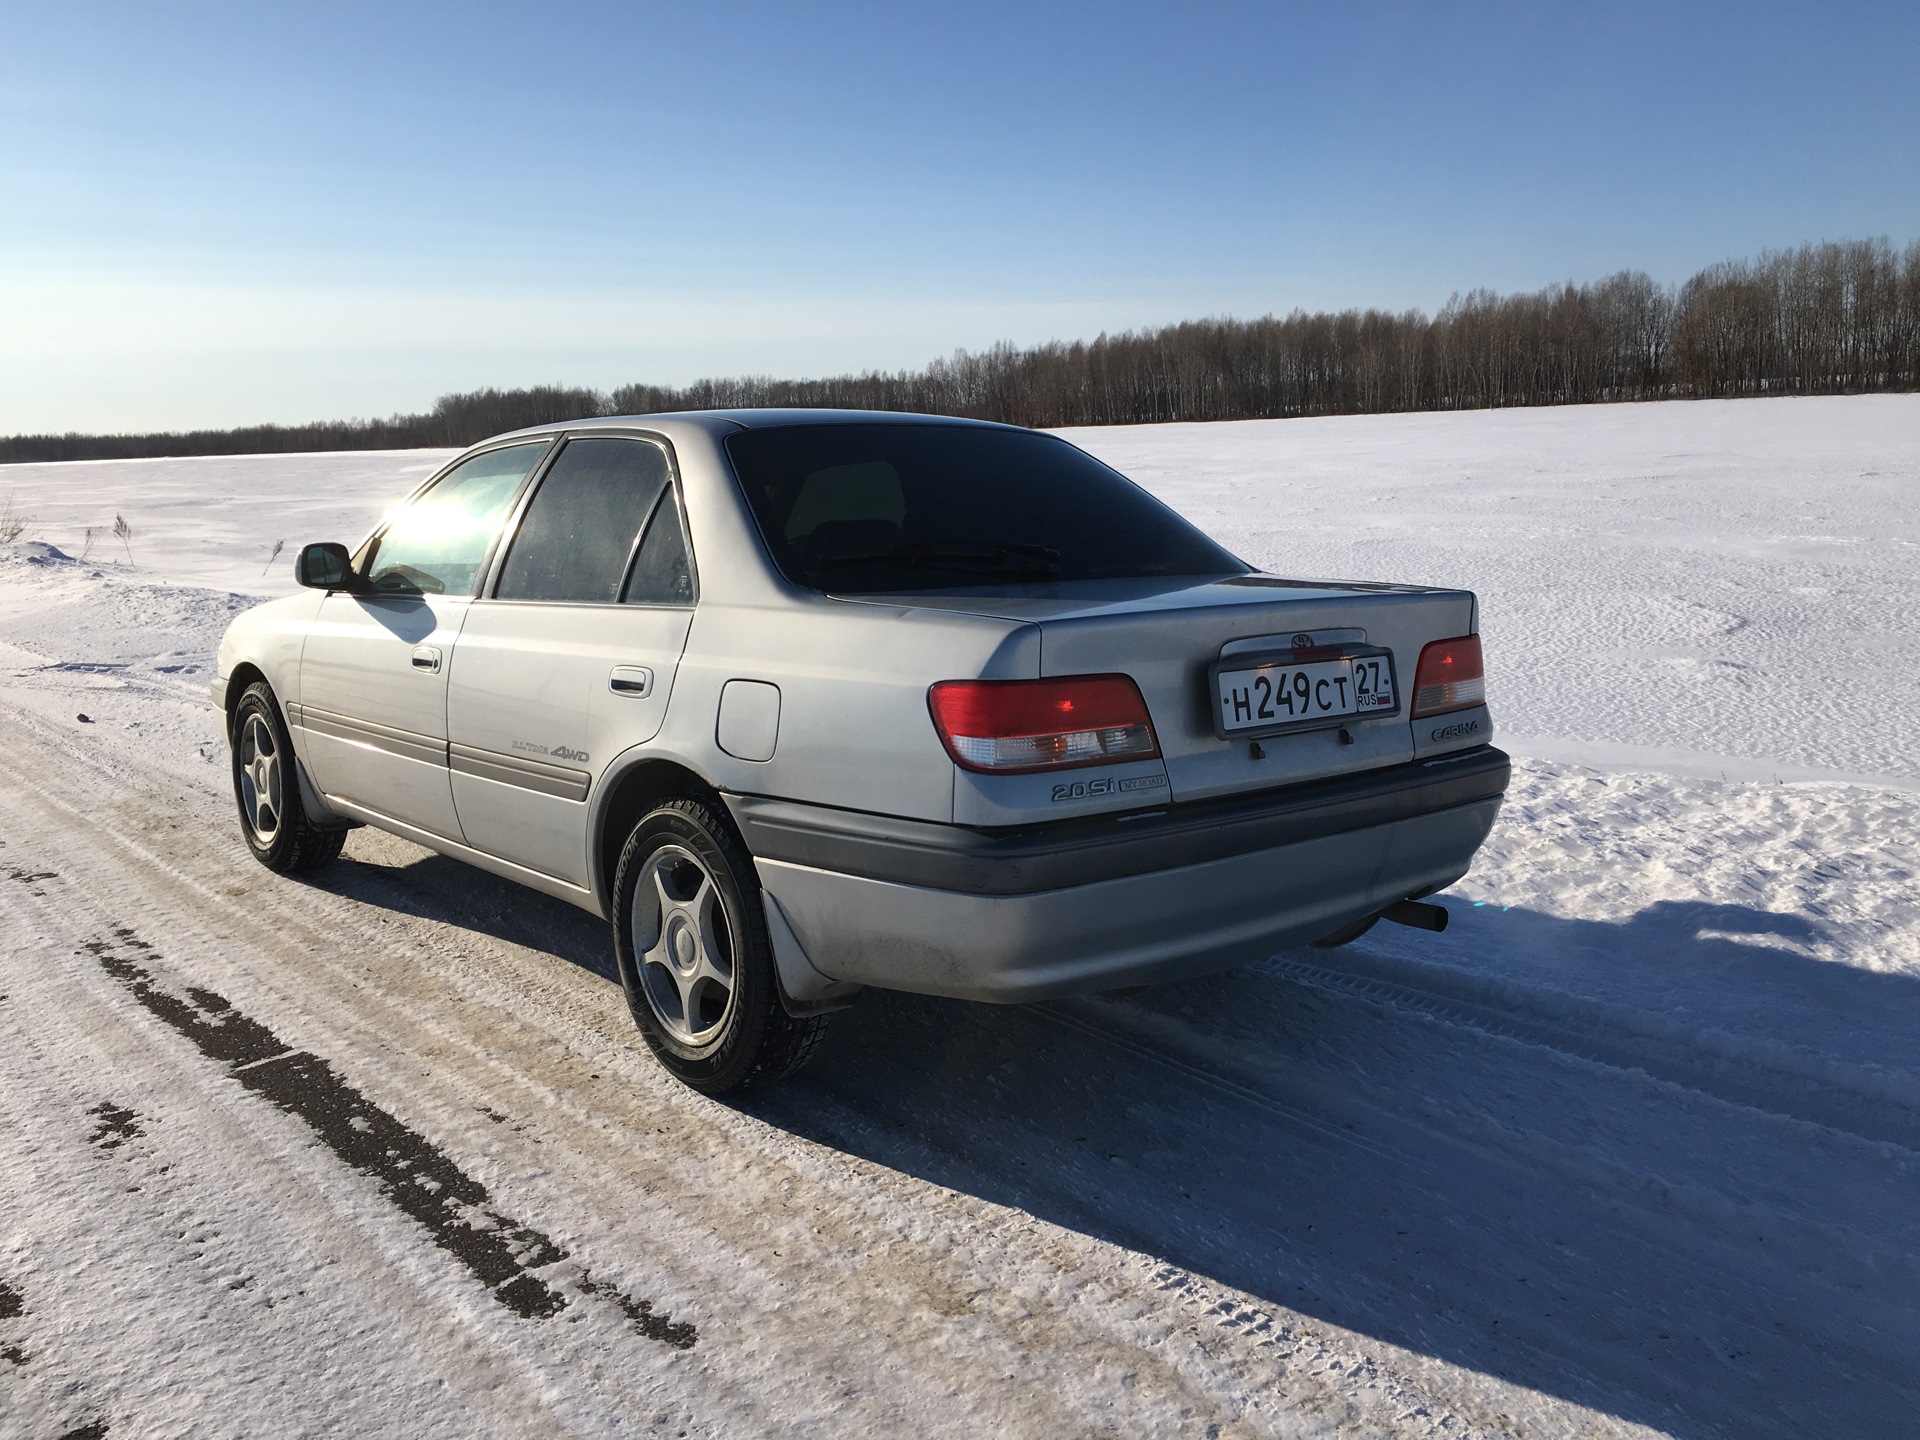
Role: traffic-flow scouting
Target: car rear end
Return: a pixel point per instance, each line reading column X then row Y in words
column 1205, row 764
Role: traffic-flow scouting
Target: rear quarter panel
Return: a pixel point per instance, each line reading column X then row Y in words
column 854, row 729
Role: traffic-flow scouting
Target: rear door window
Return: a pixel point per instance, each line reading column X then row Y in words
column 577, row 537
column 862, row 507
column 439, row 542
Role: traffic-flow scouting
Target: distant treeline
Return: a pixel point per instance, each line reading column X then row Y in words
column 1822, row 319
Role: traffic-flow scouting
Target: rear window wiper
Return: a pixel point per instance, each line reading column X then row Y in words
column 923, row 555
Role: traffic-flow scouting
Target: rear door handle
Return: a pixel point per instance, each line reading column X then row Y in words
column 633, row 681
column 426, row 658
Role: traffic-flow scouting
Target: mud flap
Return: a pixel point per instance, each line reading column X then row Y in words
column 804, row 991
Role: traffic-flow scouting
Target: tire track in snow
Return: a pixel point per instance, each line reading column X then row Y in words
column 393, row 988
column 1661, row 1214
column 396, row 992
column 1338, row 1363
column 412, row 1172
column 1603, row 1039
column 222, row 1247
column 1391, row 1125
column 1323, row 1126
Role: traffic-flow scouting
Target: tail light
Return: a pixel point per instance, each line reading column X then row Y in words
column 1014, row 727
column 1451, row 676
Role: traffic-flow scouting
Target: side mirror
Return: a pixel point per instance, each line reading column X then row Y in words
column 325, row 566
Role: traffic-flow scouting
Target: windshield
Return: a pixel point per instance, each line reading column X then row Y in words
column 873, row 508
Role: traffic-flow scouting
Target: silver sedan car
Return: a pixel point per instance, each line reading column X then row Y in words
column 807, row 701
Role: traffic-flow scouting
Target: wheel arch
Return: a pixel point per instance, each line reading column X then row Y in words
column 245, row 674
column 633, row 787
column 242, row 678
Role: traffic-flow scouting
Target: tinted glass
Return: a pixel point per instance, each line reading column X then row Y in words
column 662, row 575
column 577, row 535
column 437, row 544
column 866, row 508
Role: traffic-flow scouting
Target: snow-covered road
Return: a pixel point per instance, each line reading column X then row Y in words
column 1630, row 1148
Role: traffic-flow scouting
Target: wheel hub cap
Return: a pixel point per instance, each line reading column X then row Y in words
column 686, row 950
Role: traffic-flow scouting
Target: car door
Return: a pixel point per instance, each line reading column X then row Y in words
column 373, row 671
column 570, row 657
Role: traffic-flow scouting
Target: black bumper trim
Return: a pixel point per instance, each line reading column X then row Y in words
column 1026, row 859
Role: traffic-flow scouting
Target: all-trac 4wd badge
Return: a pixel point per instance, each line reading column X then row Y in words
column 562, row 752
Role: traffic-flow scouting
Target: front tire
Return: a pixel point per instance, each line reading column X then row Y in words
column 266, row 787
column 691, row 942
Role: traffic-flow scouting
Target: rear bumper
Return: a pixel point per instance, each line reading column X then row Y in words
column 1044, row 910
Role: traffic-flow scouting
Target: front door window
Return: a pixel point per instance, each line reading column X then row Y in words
column 438, row 544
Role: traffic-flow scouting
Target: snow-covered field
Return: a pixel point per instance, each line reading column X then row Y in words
column 1631, row 1148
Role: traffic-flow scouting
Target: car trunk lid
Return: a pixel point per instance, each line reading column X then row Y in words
column 1168, row 635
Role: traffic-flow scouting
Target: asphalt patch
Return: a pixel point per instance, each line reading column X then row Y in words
column 12, row 1306
column 668, row 1331
column 411, row 1172
column 117, row 1126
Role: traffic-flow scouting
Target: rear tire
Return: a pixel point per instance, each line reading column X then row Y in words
column 266, row 787
column 690, row 939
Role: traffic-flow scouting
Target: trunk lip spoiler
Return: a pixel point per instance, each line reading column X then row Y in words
column 1055, row 855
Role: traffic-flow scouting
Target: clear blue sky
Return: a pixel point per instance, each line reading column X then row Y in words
column 214, row 214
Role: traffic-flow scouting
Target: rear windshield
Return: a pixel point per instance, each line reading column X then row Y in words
column 865, row 509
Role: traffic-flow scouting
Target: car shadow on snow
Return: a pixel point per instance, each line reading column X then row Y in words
column 394, row 874
column 1661, row 1168
column 1699, row 1215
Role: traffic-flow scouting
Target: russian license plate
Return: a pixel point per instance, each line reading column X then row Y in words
column 1272, row 696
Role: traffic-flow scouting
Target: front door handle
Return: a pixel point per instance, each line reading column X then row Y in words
column 427, row 658
column 633, row 681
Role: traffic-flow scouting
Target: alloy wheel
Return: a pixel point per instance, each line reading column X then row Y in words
column 260, row 779
column 683, row 946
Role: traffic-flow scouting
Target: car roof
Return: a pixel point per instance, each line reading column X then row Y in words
column 720, row 422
